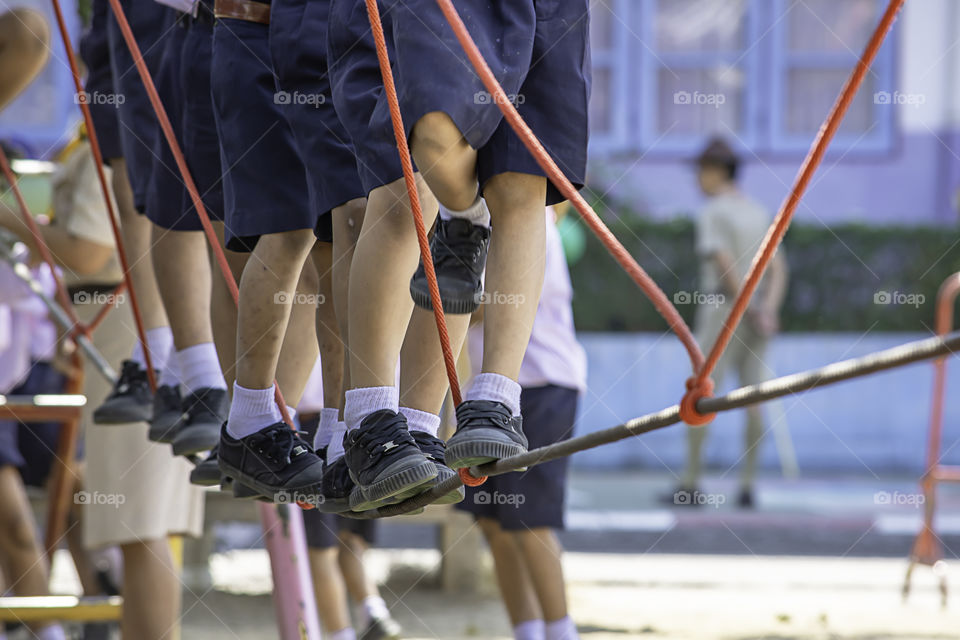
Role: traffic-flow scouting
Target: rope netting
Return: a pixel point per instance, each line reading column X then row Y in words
column 697, row 406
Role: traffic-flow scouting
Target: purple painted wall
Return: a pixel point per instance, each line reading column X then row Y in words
column 915, row 183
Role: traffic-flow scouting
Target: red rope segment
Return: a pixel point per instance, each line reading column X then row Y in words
column 61, row 290
column 610, row 242
column 101, row 177
column 184, row 172
column 373, row 12
column 697, row 387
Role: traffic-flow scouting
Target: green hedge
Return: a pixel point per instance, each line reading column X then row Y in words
column 839, row 276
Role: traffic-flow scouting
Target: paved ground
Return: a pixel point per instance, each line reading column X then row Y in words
column 621, row 596
column 817, row 559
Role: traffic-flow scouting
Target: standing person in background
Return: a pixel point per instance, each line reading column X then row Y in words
column 24, row 50
column 729, row 231
column 27, row 348
column 138, row 493
column 519, row 513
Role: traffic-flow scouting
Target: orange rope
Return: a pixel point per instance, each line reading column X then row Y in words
column 98, row 160
column 184, row 171
column 700, row 386
column 408, row 175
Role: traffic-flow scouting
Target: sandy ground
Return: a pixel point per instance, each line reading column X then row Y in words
column 614, row 597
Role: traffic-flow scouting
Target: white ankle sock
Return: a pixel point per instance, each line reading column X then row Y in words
column 200, row 368
column 335, row 450
column 421, row 420
column 374, row 608
column 344, row 634
column 251, row 410
column 359, row 403
column 493, row 386
column 160, row 343
column 52, row 632
column 477, row 213
column 529, row 630
column 170, row 375
column 328, row 422
column 562, row 629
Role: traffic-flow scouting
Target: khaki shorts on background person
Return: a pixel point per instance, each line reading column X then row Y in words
column 746, row 354
column 135, row 489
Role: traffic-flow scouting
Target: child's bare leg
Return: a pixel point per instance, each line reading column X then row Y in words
column 384, row 259
column 514, row 269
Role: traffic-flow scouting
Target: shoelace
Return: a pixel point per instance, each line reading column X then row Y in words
column 277, row 442
column 130, row 374
column 483, row 410
column 451, row 245
column 373, row 438
column 429, row 445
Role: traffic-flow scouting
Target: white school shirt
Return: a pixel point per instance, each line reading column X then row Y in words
column 553, row 356
column 28, row 334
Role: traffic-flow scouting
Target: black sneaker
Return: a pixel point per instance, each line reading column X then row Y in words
column 384, row 460
column 385, row 628
column 336, row 487
column 130, row 400
column 271, row 460
column 204, row 411
column 459, row 250
column 486, row 431
column 207, row 471
column 434, row 449
column 167, row 412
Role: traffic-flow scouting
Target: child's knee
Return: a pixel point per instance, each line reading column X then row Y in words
column 515, row 191
column 347, row 220
column 289, row 247
column 435, row 134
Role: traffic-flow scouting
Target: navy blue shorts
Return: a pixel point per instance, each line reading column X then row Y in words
column 532, row 498
column 150, row 21
column 166, row 192
column 323, row 529
column 298, row 48
column 264, row 182
column 201, row 146
column 539, row 50
column 357, row 87
column 32, row 447
column 95, row 51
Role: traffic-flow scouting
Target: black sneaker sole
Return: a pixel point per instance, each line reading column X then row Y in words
column 105, row 414
column 444, row 473
column 233, row 474
column 204, row 477
column 476, row 449
column 244, row 492
column 418, row 472
column 331, row 505
column 164, row 430
column 420, row 293
column 194, row 438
